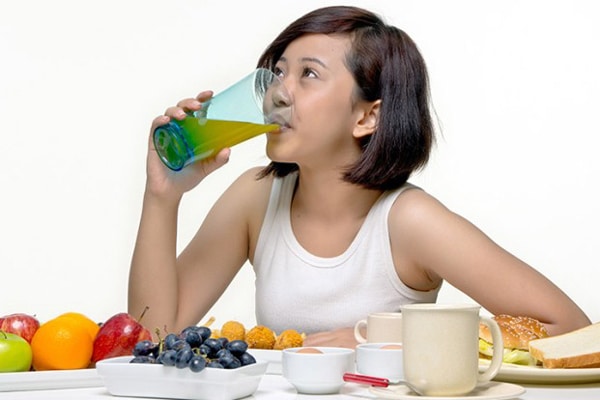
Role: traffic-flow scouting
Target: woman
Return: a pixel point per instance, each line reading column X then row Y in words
column 331, row 226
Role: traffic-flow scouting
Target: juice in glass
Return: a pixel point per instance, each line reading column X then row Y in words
column 231, row 117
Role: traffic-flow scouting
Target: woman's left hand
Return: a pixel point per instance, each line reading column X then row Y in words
column 343, row 337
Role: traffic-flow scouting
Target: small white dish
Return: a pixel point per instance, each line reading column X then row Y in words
column 318, row 372
column 487, row 391
column 273, row 357
column 122, row 378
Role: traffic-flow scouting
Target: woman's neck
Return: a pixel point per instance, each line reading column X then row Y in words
column 328, row 197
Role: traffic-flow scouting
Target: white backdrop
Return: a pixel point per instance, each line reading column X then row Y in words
column 515, row 85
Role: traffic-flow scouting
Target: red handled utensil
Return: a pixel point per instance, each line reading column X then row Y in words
column 366, row 379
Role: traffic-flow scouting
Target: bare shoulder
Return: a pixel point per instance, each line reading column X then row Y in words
column 423, row 233
column 249, row 196
column 250, row 186
column 416, row 207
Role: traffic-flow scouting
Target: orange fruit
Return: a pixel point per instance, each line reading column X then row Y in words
column 62, row 343
column 91, row 326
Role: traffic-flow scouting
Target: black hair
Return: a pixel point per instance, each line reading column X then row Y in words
column 386, row 64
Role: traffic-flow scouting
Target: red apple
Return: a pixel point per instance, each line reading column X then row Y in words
column 20, row 324
column 118, row 336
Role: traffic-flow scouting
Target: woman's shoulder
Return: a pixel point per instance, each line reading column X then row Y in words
column 252, row 180
column 251, row 191
column 416, row 208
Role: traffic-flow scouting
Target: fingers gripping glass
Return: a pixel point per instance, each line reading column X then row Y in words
column 231, row 117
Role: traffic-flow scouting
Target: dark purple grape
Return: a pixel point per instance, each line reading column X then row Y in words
column 247, row 359
column 204, row 332
column 197, row 363
column 203, row 350
column 237, row 347
column 145, row 348
column 193, row 338
column 214, row 364
column 181, row 344
column 229, row 361
column 223, row 341
column 169, row 340
column 143, row 360
column 213, row 345
column 222, row 352
column 168, row 357
column 183, row 357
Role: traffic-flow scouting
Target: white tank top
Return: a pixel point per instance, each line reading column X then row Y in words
column 298, row 290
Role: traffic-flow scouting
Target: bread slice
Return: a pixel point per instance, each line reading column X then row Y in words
column 577, row 349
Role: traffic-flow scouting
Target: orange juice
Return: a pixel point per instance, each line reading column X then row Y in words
column 180, row 143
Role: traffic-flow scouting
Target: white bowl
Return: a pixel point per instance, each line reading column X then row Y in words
column 122, row 378
column 321, row 373
column 378, row 359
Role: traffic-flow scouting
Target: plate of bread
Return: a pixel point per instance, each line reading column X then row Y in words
column 532, row 356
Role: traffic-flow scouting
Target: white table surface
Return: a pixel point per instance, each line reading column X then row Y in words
column 275, row 387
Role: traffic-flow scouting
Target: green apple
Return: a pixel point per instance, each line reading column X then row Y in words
column 15, row 353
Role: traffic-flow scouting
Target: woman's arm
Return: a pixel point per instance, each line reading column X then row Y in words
column 179, row 291
column 430, row 243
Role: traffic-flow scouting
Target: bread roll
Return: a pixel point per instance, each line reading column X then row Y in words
column 516, row 331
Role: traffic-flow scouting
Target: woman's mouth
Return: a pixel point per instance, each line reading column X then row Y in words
column 279, row 120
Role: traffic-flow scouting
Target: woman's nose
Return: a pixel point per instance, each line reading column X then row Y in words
column 280, row 94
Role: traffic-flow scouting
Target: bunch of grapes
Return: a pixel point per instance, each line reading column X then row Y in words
column 193, row 348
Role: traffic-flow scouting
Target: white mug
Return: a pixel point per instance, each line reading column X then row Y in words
column 441, row 351
column 382, row 327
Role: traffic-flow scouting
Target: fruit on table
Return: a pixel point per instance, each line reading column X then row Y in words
column 21, row 324
column 90, row 325
column 15, row 353
column 65, row 342
column 118, row 336
column 194, row 348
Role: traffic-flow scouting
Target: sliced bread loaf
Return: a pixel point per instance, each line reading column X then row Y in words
column 577, row 349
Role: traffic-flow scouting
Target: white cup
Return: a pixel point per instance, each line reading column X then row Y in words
column 317, row 370
column 383, row 360
column 383, row 327
column 441, row 351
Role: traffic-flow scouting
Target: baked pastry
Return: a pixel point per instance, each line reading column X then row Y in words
column 517, row 332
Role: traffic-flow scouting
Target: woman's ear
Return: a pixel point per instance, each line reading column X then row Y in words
column 369, row 119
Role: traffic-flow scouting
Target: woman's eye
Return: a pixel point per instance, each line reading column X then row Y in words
column 308, row 72
column 278, row 71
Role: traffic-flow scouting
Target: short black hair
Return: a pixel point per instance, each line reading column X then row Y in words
column 386, row 64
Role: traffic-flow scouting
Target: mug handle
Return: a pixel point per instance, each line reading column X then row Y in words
column 357, row 335
column 498, row 345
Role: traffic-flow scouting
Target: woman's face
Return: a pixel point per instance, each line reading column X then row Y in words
column 320, row 96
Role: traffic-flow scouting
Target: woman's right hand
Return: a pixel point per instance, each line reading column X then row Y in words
column 163, row 182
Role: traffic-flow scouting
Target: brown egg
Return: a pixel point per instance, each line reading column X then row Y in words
column 391, row 347
column 309, row 350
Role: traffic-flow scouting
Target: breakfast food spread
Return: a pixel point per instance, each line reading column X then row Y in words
column 260, row 336
column 577, row 349
column 517, row 332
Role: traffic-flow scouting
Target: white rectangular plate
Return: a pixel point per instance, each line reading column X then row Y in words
column 44, row 380
column 158, row 381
